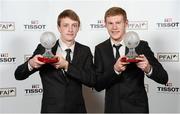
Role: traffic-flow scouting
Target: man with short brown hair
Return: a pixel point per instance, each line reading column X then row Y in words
column 62, row 81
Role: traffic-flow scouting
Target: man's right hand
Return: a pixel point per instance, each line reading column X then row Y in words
column 35, row 63
column 120, row 65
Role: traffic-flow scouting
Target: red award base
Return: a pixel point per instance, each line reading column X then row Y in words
column 124, row 59
column 48, row 60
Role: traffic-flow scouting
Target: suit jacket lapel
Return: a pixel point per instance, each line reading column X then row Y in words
column 76, row 54
column 76, row 51
column 54, row 49
column 64, row 77
column 109, row 50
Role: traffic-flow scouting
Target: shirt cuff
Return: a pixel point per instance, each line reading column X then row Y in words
column 150, row 72
column 118, row 73
column 30, row 67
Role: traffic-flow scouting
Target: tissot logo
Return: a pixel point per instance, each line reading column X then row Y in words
column 34, row 90
column 34, row 25
column 168, row 88
column 99, row 24
column 169, row 23
column 5, row 58
column 7, row 26
column 7, row 92
column 168, row 57
column 138, row 25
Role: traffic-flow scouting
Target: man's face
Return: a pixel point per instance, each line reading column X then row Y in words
column 68, row 29
column 116, row 27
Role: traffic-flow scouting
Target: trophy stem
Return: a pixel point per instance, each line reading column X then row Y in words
column 48, row 53
column 132, row 53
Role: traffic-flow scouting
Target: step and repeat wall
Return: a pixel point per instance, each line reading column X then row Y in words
column 23, row 21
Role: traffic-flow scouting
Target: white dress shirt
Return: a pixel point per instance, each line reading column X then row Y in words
column 62, row 47
column 121, row 49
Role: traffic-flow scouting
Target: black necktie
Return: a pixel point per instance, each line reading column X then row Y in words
column 117, row 50
column 68, row 56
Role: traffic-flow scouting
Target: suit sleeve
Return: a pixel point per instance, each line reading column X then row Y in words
column 104, row 78
column 159, row 74
column 22, row 72
column 84, row 73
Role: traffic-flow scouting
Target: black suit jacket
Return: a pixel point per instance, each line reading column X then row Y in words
column 63, row 93
column 125, row 92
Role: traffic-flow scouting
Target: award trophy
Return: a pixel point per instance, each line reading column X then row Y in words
column 131, row 41
column 48, row 40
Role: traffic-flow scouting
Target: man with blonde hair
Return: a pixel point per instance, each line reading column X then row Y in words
column 124, row 81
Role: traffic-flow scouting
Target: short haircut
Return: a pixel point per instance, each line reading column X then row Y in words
column 70, row 14
column 113, row 11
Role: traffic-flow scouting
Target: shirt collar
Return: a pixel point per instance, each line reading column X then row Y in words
column 121, row 42
column 63, row 46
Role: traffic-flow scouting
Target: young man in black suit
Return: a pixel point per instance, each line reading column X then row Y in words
column 62, row 81
column 124, row 81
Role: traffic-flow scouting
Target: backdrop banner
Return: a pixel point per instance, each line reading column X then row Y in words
column 23, row 21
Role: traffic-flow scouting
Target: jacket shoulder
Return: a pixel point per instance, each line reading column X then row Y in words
column 102, row 44
column 82, row 46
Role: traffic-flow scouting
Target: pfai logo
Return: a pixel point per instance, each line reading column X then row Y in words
column 7, row 26
column 168, row 57
column 8, row 92
column 138, row 25
column 26, row 57
column 146, row 87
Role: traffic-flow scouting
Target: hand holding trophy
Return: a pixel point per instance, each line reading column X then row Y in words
column 131, row 40
column 48, row 40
